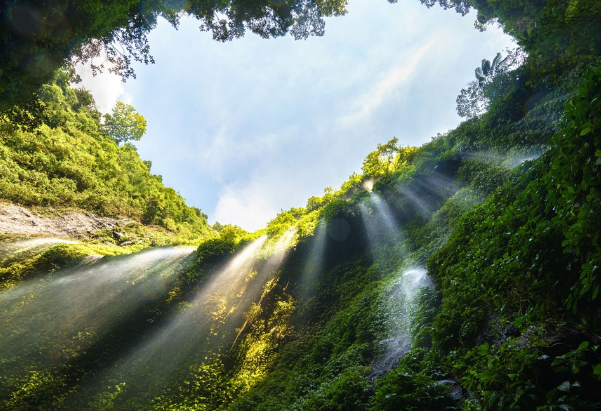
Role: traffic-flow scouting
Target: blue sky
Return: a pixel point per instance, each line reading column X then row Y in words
column 247, row 128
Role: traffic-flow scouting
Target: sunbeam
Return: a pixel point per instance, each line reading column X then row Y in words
column 511, row 159
column 517, row 157
column 484, row 157
column 213, row 318
column 427, row 193
column 49, row 321
column 166, row 349
column 382, row 229
column 315, row 259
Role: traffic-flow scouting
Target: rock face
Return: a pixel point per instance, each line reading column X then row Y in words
column 19, row 220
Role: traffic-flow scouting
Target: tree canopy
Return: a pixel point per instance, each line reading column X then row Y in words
column 124, row 124
column 387, row 158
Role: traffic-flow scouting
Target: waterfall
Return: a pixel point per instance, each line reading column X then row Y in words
column 401, row 306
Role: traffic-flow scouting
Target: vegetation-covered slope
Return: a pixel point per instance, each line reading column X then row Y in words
column 71, row 162
column 462, row 274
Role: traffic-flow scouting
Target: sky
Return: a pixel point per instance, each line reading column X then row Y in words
column 245, row 129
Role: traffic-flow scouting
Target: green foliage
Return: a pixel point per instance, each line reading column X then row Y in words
column 512, row 376
column 16, row 269
column 38, row 38
column 566, row 36
column 399, row 390
column 125, row 124
column 493, row 81
column 283, row 221
column 425, row 307
column 482, row 176
column 13, row 272
column 387, row 158
column 216, row 249
column 231, row 19
column 512, row 322
column 338, row 209
column 498, row 274
column 349, row 391
column 509, row 249
column 73, row 165
column 574, row 197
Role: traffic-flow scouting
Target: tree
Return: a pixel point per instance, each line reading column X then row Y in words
column 381, row 162
column 489, row 71
column 125, row 124
column 37, row 38
column 387, row 158
column 461, row 6
column 53, row 103
column 477, row 97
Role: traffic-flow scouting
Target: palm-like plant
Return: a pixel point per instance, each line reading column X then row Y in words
column 489, row 71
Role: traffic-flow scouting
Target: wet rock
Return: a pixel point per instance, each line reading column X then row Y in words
column 455, row 390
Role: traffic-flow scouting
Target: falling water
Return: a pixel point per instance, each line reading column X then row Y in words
column 384, row 235
column 400, row 302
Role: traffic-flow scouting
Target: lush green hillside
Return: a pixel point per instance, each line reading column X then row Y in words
column 71, row 162
column 462, row 274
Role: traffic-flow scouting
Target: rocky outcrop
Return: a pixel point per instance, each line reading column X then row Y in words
column 20, row 220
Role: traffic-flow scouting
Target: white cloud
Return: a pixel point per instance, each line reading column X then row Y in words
column 213, row 157
column 225, row 151
column 249, row 207
column 107, row 88
column 369, row 102
column 255, row 198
